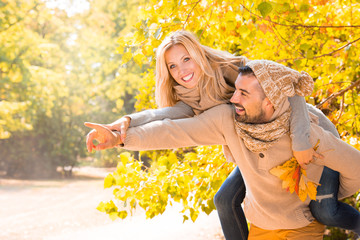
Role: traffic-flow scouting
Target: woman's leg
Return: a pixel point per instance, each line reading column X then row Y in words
column 328, row 210
column 228, row 204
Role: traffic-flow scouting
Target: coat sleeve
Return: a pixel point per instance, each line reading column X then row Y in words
column 339, row 156
column 204, row 129
column 299, row 124
column 179, row 110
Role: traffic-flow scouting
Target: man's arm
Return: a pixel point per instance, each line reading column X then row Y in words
column 204, row 129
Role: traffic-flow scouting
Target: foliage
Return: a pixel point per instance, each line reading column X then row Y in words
column 294, row 178
column 191, row 180
column 56, row 71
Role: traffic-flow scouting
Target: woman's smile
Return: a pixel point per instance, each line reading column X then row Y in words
column 188, row 77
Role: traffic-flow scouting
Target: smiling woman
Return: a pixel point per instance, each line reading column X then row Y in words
column 182, row 66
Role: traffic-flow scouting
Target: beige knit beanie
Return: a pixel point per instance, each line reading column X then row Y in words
column 280, row 82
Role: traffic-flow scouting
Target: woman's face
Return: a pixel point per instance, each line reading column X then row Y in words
column 182, row 67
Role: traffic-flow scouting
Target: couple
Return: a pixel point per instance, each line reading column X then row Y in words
column 197, row 78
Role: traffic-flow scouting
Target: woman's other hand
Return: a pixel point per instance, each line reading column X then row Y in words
column 306, row 157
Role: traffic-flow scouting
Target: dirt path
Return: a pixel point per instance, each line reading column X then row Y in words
column 66, row 210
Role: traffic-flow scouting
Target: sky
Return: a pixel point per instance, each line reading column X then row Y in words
column 72, row 7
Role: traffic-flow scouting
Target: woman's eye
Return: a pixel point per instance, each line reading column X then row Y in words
column 186, row 59
column 171, row 66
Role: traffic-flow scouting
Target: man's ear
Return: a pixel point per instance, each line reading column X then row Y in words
column 268, row 105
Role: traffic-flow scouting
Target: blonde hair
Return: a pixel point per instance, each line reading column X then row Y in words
column 208, row 59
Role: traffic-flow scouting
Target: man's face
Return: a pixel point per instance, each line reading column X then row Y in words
column 251, row 105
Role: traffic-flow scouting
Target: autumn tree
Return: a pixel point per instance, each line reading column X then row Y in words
column 56, row 71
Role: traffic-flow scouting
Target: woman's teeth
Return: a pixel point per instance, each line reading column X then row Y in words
column 188, row 77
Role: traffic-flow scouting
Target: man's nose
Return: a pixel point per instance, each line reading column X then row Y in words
column 235, row 97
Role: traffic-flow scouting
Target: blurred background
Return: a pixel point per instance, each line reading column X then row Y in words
column 64, row 62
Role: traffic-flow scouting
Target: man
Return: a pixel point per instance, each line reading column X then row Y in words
column 257, row 134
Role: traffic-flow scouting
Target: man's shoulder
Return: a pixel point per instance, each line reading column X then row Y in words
column 226, row 109
column 217, row 114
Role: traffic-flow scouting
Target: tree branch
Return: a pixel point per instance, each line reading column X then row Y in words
column 329, row 54
column 188, row 15
column 342, row 92
column 298, row 25
column 323, row 55
column 207, row 23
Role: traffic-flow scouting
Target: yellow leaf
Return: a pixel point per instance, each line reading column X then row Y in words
column 294, row 178
column 139, row 59
column 302, row 195
column 311, row 190
column 302, row 184
column 126, row 57
column 277, row 172
column 109, row 181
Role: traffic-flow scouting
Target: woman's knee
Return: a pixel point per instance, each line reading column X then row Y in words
column 222, row 199
column 324, row 210
column 231, row 192
column 229, row 198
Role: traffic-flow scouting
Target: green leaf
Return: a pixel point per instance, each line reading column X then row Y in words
column 305, row 46
column 199, row 32
column 176, row 20
column 265, row 8
column 297, row 63
column 304, row 7
column 281, row 7
column 309, row 54
column 332, row 68
column 185, row 218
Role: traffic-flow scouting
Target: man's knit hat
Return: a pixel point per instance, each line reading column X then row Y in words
column 280, row 82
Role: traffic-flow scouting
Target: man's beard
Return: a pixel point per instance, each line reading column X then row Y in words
column 256, row 118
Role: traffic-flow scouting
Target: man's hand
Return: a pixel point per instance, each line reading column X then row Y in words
column 121, row 126
column 105, row 137
column 306, row 157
